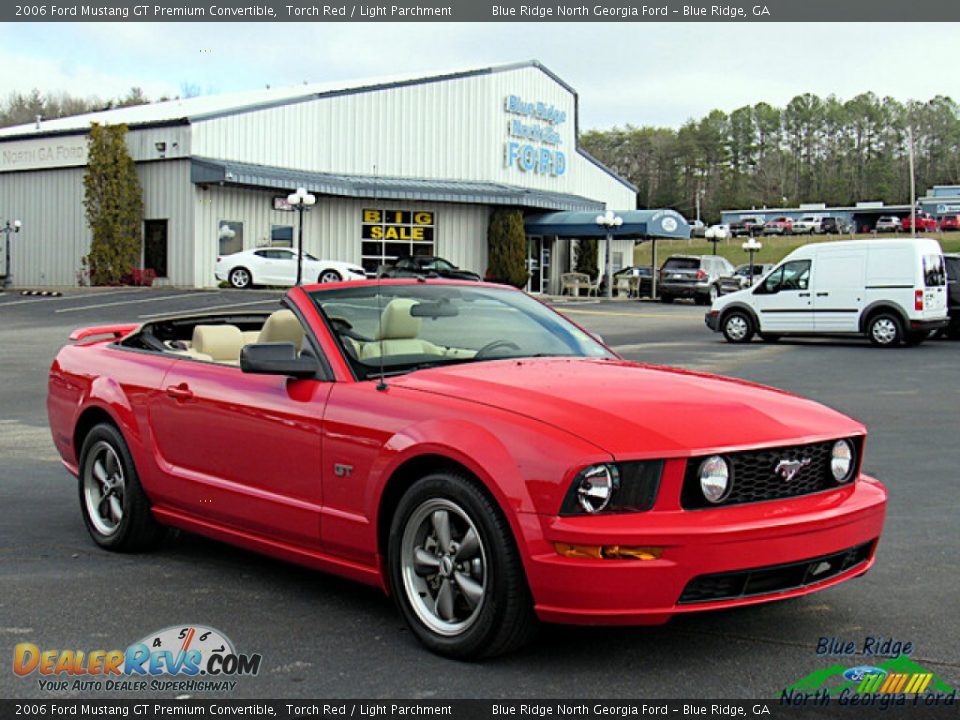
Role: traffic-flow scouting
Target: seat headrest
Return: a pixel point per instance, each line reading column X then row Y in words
column 282, row 326
column 220, row 342
column 396, row 322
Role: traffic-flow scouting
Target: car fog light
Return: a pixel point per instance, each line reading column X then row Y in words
column 841, row 461
column 596, row 487
column 715, row 479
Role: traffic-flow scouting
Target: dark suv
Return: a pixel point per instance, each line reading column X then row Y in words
column 952, row 330
column 693, row 276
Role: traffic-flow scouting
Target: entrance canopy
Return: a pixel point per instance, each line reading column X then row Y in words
column 637, row 225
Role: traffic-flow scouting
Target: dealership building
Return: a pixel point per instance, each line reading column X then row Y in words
column 401, row 166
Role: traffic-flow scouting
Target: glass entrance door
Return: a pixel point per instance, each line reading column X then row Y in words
column 539, row 252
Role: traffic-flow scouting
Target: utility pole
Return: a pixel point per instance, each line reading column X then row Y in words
column 913, row 182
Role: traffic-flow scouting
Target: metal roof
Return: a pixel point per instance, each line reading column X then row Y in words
column 224, row 172
column 636, row 224
column 185, row 110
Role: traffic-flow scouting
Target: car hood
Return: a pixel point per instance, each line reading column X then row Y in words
column 634, row 411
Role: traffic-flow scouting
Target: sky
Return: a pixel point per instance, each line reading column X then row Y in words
column 637, row 73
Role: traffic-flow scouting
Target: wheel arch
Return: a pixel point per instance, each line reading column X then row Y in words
column 327, row 269
column 88, row 419
column 750, row 312
column 879, row 306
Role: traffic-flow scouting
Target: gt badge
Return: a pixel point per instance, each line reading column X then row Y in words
column 341, row 470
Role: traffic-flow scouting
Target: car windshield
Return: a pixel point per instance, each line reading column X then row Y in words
column 682, row 264
column 402, row 328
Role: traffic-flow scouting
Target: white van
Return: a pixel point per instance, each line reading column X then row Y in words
column 892, row 291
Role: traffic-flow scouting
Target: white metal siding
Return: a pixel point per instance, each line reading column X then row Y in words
column 331, row 229
column 451, row 130
column 55, row 237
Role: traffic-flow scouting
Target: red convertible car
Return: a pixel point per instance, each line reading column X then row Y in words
column 470, row 451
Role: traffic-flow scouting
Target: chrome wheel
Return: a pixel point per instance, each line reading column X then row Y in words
column 444, row 567
column 104, row 485
column 240, row 278
column 884, row 331
column 737, row 328
column 330, row 276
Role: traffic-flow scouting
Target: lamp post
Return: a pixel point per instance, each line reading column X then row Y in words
column 6, row 230
column 713, row 236
column 752, row 246
column 301, row 200
column 609, row 220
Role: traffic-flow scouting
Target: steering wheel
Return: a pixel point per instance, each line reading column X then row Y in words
column 491, row 346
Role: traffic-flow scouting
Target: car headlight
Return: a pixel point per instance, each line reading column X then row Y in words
column 841, row 461
column 715, row 481
column 610, row 488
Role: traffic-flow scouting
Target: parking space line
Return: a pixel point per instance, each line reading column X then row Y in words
column 630, row 314
column 70, row 297
column 133, row 302
column 214, row 307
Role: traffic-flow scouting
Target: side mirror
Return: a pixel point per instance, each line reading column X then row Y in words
column 277, row 359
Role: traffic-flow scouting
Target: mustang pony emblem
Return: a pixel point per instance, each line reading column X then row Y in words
column 788, row 469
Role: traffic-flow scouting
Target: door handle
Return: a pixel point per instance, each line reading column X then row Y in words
column 180, row 392
column 823, row 294
column 804, row 295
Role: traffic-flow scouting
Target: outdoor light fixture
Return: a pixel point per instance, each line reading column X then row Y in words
column 609, row 221
column 13, row 227
column 301, row 201
column 752, row 246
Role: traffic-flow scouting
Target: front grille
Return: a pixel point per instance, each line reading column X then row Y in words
column 775, row 578
column 755, row 478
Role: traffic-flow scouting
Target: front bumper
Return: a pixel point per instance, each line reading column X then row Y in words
column 712, row 320
column 759, row 537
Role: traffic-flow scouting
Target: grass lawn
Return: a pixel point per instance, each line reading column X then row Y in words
column 774, row 248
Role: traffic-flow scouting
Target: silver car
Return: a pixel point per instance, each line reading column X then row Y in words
column 693, row 276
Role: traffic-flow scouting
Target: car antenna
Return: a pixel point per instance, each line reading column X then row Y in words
column 381, row 385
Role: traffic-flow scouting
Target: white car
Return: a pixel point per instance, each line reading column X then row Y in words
column 278, row 266
column 719, row 232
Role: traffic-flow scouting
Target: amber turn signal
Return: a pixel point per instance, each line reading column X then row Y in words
column 609, row 552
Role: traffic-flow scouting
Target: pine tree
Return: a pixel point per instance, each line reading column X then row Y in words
column 113, row 200
column 507, row 245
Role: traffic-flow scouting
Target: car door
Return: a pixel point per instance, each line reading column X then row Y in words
column 285, row 267
column 264, row 268
column 838, row 291
column 240, row 449
column 783, row 300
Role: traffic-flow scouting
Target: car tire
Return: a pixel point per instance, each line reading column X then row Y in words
column 115, row 509
column 464, row 607
column 666, row 299
column 770, row 337
column 737, row 327
column 885, row 330
column 699, row 299
column 240, row 278
column 329, row 276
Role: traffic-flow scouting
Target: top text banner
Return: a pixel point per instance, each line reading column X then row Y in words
column 853, row 11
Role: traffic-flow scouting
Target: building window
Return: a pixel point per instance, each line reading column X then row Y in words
column 616, row 261
column 230, row 237
column 155, row 246
column 281, row 235
column 391, row 234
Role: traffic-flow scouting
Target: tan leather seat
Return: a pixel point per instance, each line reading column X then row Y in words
column 282, row 326
column 398, row 333
column 221, row 343
column 250, row 336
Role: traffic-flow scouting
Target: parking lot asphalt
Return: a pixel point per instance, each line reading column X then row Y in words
column 323, row 637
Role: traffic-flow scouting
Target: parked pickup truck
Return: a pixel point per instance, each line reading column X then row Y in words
column 807, row 225
column 746, row 226
column 778, row 226
column 925, row 223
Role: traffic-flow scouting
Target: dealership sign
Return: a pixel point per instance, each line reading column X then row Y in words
column 533, row 137
column 43, row 153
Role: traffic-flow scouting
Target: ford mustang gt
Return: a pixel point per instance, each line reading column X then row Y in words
column 468, row 450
